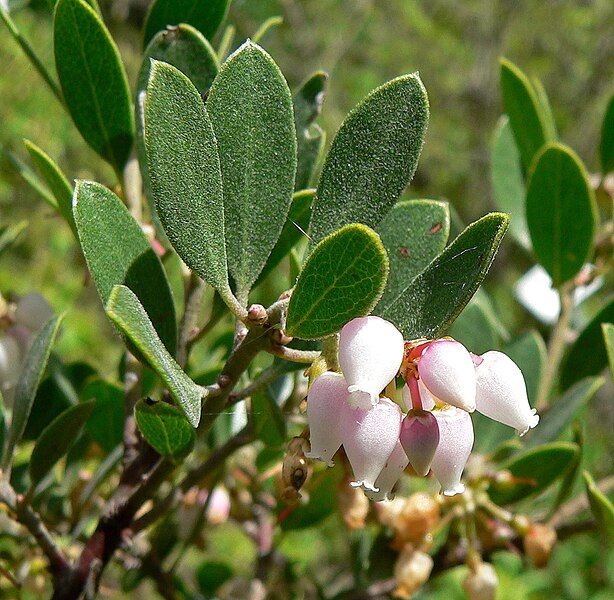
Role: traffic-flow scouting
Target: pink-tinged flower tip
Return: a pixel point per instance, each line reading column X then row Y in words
column 502, row 392
column 326, row 400
column 420, row 437
column 389, row 475
column 448, row 372
column 369, row 437
column 370, row 355
column 453, row 450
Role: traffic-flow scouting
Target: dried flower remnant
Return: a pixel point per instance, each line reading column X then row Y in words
column 539, row 542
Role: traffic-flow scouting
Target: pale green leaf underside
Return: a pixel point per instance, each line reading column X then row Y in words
column 125, row 310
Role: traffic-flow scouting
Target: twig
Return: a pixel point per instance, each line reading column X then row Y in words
column 294, row 355
column 31, row 520
column 556, row 346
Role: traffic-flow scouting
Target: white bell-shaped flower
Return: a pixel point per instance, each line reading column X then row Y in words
column 389, row 475
column 447, row 371
column 369, row 437
column 428, row 400
column 370, row 355
column 502, row 392
column 453, row 450
column 420, row 437
column 326, row 400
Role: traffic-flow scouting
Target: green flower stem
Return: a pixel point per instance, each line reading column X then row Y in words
column 556, row 345
column 29, row 51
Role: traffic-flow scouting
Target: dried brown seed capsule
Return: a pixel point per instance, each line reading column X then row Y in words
column 481, row 583
column 411, row 571
column 353, row 505
column 417, row 517
column 539, row 542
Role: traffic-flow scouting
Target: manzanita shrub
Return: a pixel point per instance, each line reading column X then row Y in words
column 380, row 357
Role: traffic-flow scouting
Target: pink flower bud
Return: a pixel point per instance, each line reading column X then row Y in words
column 428, row 400
column 447, row 371
column 502, row 393
column 389, row 475
column 370, row 355
column 420, row 437
column 482, row 583
column 33, row 311
column 219, row 507
column 326, row 400
column 455, row 444
column 369, row 437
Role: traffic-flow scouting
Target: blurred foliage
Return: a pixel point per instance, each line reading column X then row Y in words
column 567, row 44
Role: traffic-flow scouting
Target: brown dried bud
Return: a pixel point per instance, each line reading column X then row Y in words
column 279, row 338
column 481, row 583
column 257, row 314
column 411, row 571
column 295, row 468
column 353, row 505
column 539, row 542
column 388, row 512
column 418, row 516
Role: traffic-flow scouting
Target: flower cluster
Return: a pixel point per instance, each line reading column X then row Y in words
column 444, row 382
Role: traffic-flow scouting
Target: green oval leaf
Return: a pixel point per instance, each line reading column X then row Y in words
column 185, row 48
column 56, row 439
column 588, row 355
column 601, row 507
column 204, row 15
column 414, row 232
column 562, row 412
column 522, row 106
column 164, row 428
column 118, row 252
column 294, row 229
column 561, row 212
column 10, row 235
column 93, row 81
column 251, row 111
column 125, row 310
column 428, row 305
column 535, row 470
column 184, row 169
column 606, row 145
column 372, row 158
column 310, row 137
column 106, row 423
column 32, row 370
column 508, row 181
column 342, row 279
column 55, row 180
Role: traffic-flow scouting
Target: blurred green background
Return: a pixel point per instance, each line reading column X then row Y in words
column 568, row 45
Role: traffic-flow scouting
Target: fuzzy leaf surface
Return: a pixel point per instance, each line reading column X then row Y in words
column 251, row 112
column 125, row 310
column 372, row 158
column 342, row 279
column 184, row 172
column 428, row 305
column 117, row 252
